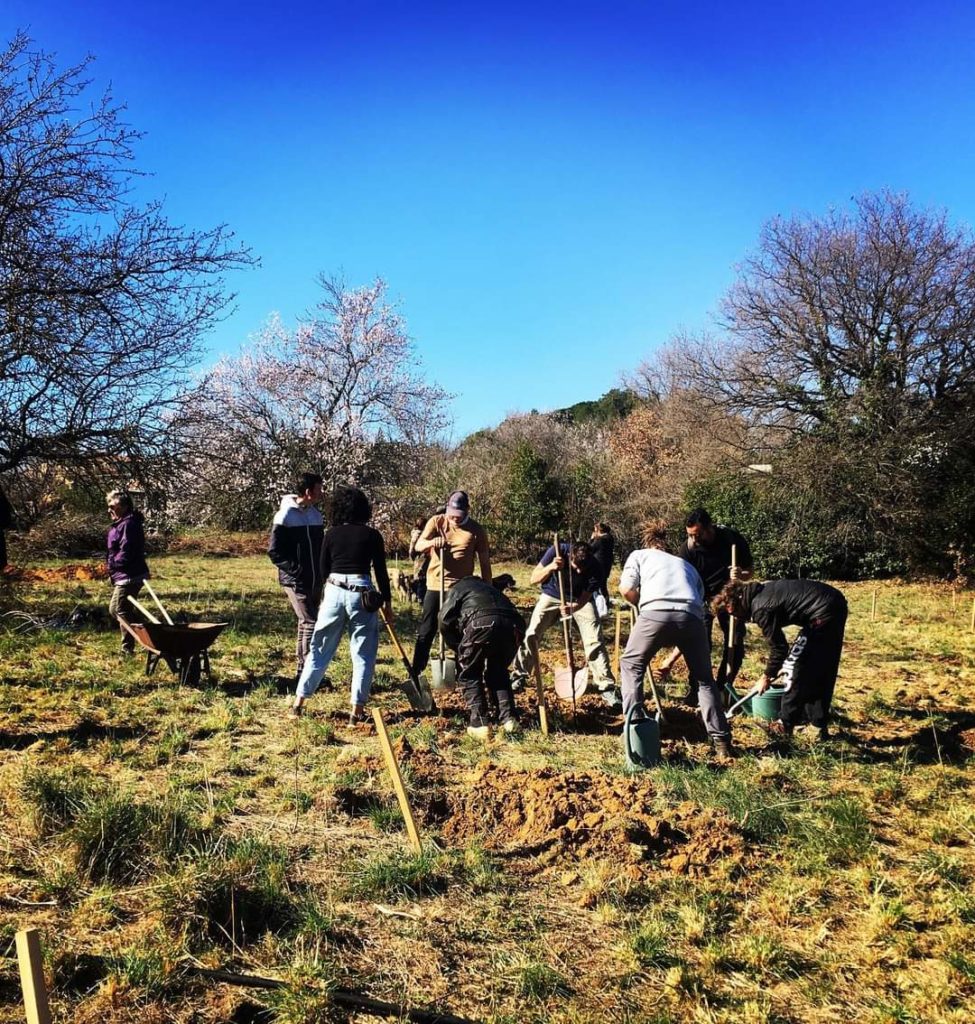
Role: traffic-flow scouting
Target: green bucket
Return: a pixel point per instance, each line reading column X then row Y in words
column 641, row 741
column 767, row 705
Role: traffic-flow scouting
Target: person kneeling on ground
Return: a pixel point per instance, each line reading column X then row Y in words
column 349, row 550
column 670, row 596
column 485, row 629
column 583, row 578
column 810, row 667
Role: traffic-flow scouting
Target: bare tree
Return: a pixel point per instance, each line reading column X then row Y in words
column 850, row 341
column 102, row 301
column 342, row 393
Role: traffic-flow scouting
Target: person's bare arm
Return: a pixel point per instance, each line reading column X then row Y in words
column 431, row 539
column 543, row 572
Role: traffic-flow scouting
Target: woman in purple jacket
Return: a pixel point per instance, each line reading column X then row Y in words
column 127, row 567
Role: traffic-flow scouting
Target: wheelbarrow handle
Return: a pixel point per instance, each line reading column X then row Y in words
column 152, row 594
column 145, row 611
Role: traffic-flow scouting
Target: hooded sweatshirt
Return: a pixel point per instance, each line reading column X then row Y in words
column 295, row 546
column 127, row 549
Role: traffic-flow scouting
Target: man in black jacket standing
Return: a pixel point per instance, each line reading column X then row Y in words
column 809, row 669
column 295, row 548
column 485, row 629
column 708, row 548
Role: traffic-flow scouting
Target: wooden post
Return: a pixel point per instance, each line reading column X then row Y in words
column 539, row 689
column 32, row 976
column 731, row 619
column 873, row 607
column 616, row 650
column 404, row 800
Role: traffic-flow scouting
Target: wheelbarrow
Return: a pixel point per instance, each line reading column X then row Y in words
column 183, row 646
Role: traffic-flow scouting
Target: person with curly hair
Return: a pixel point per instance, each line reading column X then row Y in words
column 351, row 552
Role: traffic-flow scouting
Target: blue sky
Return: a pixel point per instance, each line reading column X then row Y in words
column 552, row 190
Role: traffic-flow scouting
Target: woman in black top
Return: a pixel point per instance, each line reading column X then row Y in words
column 350, row 549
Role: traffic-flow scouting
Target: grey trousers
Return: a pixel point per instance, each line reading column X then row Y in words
column 306, row 609
column 119, row 607
column 651, row 632
column 547, row 613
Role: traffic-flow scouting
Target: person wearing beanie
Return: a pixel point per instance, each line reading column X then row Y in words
column 454, row 540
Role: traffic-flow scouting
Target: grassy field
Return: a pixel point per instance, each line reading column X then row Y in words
column 151, row 831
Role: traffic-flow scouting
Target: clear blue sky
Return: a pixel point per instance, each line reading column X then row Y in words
column 551, row 189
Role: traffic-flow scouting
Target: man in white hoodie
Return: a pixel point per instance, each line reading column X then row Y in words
column 295, row 548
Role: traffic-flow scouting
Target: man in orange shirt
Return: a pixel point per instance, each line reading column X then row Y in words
column 453, row 540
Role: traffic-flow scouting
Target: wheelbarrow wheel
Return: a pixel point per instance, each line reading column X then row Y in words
column 189, row 671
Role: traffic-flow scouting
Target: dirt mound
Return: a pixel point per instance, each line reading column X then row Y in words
column 60, row 573
column 555, row 816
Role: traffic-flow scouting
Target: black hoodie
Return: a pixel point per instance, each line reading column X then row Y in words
column 778, row 603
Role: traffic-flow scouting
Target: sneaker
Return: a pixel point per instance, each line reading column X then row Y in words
column 511, row 726
column 479, row 732
column 357, row 716
column 296, row 711
column 611, row 699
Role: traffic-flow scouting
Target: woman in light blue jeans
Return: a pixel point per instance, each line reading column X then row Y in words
column 350, row 549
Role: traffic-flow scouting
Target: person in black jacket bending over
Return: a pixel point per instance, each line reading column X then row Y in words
column 295, row 548
column 809, row 668
column 485, row 629
column 708, row 548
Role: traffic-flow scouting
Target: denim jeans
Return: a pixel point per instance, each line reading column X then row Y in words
column 341, row 609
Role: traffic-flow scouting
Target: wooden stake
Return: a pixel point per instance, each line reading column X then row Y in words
column 873, row 607
column 539, row 689
column 32, row 976
column 391, row 764
column 616, row 649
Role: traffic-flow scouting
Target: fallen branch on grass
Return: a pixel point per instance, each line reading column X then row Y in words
column 340, row 996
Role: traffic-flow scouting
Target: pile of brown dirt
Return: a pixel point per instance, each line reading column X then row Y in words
column 83, row 573
column 573, row 816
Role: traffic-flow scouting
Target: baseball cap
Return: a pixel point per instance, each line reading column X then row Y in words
column 459, row 501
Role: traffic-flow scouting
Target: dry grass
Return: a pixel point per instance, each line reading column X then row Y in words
column 148, row 828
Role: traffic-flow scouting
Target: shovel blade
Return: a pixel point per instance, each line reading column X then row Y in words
column 420, row 697
column 569, row 685
column 443, row 673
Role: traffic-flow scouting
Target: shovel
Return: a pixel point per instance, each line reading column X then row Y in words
column 444, row 670
column 569, row 683
column 734, row 707
column 661, row 717
column 416, row 691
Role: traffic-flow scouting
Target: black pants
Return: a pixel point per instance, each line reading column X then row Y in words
column 810, row 670
column 3, row 550
column 487, row 647
column 427, row 630
column 729, row 666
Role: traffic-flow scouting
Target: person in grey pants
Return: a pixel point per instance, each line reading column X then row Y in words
column 669, row 593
